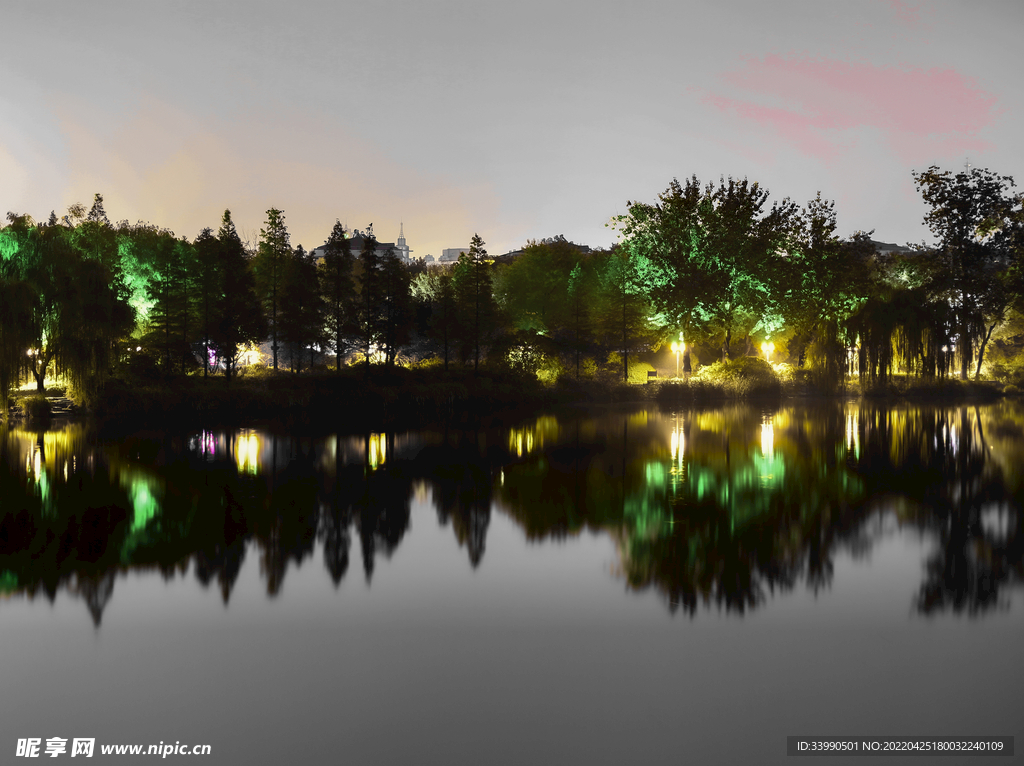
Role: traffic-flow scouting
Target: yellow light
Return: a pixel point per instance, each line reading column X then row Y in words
column 767, row 439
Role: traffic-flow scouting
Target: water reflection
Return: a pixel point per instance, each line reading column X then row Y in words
column 714, row 508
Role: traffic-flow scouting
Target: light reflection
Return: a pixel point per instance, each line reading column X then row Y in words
column 767, row 439
column 852, row 433
column 247, row 451
column 377, row 450
column 523, row 441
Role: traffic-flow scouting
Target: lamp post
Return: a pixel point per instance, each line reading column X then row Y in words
column 676, row 349
column 767, row 347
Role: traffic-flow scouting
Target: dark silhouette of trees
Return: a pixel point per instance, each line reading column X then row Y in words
column 368, row 325
column 434, row 289
column 396, row 311
column 240, row 317
column 474, row 296
column 337, row 289
column 271, row 265
column 209, row 284
column 301, row 315
column 972, row 215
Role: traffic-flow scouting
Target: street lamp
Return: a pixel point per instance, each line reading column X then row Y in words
column 676, row 349
column 767, row 347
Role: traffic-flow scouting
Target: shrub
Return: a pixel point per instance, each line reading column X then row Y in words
column 1011, row 390
column 37, row 408
column 744, row 377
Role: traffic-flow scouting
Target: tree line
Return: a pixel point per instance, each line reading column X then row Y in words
column 716, row 264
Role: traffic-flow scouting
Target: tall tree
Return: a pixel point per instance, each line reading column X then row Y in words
column 970, row 213
column 369, row 306
column 338, row 290
column 396, row 305
column 435, row 287
column 669, row 243
column 240, row 317
column 272, row 259
column 625, row 312
column 581, row 290
column 301, row 308
column 170, row 291
column 209, row 288
column 475, row 296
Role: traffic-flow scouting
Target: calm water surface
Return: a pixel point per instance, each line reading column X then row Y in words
column 617, row 586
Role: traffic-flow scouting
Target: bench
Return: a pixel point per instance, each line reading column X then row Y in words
column 651, row 374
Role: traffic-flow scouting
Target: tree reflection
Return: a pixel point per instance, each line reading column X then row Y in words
column 710, row 508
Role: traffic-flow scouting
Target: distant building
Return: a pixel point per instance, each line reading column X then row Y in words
column 358, row 238
column 452, row 253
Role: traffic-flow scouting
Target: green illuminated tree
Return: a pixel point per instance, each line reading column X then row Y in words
column 624, row 309
column 170, row 290
column 684, row 279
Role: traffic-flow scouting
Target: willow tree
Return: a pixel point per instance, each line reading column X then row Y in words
column 15, row 334
column 826, row 279
column 969, row 214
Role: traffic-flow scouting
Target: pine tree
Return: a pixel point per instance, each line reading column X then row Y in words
column 271, row 262
column 475, row 297
column 240, row 317
column 369, row 306
column 337, row 289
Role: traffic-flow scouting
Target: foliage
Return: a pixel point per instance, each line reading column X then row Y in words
column 240, row 317
column 37, row 407
column 746, row 376
column 301, row 315
column 271, row 264
column 976, row 221
column 337, row 290
column 474, row 300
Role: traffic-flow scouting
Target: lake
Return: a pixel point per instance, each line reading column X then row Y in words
column 603, row 586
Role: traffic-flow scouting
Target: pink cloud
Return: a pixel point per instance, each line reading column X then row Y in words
column 810, row 103
column 905, row 12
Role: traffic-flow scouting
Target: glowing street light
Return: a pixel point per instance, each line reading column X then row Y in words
column 678, row 347
column 767, row 347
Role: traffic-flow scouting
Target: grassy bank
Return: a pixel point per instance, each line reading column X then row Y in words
column 352, row 399
column 355, row 400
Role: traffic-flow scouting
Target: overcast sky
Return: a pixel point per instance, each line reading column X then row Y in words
column 517, row 120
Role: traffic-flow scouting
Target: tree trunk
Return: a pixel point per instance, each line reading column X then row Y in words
column 981, row 351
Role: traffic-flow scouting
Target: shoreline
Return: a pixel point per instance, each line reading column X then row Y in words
column 388, row 398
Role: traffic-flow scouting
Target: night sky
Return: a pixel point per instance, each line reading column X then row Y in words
column 515, row 120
